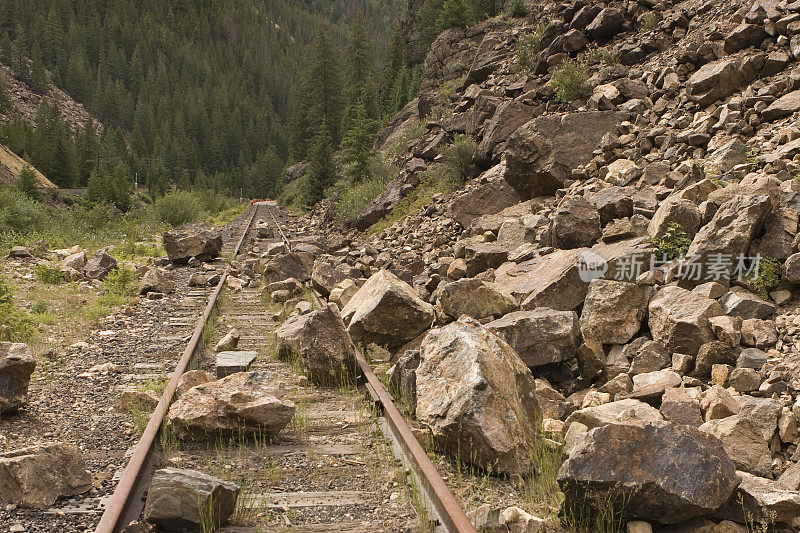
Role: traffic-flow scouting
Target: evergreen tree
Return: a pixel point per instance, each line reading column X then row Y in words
column 5, row 95
column 321, row 166
column 27, row 182
column 357, row 149
column 39, row 81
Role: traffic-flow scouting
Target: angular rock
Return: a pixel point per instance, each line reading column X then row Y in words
column 714, row 81
column 662, row 471
column 763, row 413
column 542, row 153
column 231, row 362
column 680, row 407
column 386, row 311
column 650, row 386
column 744, row 36
column 784, row 106
column 576, row 223
column 38, row 475
column 286, row 266
column 477, row 397
column 229, row 342
column 186, row 242
column 675, row 211
column 760, row 334
column 483, row 256
column 156, row 280
column 743, row 442
column 320, row 344
column 619, row 412
column 245, row 401
column 710, row 354
column 508, row 117
column 718, row 403
column 474, row 297
column 746, row 305
column 551, row 281
column 613, row 310
column 679, row 319
column 751, row 358
column 606, row 24
column 187, row 500
column 763, row 501
column 541, row 336
column 487, row 199
column 613, row 203
column 74, row 261
column 16, row 366
column 100, row 265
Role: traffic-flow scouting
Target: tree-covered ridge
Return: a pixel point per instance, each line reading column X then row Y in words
column 190, row 92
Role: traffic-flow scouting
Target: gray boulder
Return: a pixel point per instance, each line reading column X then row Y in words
column 478, row 398
column 659, row 471
column 187, row 500
column 541, row 336
column 100, row 265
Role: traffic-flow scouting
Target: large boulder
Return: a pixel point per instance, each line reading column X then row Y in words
column 386, row 311
column 486, row 199
column 482, row 256
column 474, row 297
column 541, row 336
column 679, row 319
column 187, row 500
column 551, row 281
column 186, row 242
column 100, row 265
column 613, row 310
column 743, row 442
column 761, row 501
column 320, row 344
column 613, row 202
column 675, row 211
column 714, row 81
column 37, row 476
column 382, row 205
column 245, row 401
column 734, row 225
column 784, row 106
column 478, row 397
column 508, row 116
column 542, row 153
column 156, row 280
column 16, row 366
column 618, row 412
column 286, row 266
column 663, row 472
column 576, row 223
column 609, row 22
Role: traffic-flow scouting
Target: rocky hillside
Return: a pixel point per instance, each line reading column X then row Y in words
column 631, row 232
column 11, row 165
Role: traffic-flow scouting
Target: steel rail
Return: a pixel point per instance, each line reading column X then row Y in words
column 126, row 503
column 450, row 513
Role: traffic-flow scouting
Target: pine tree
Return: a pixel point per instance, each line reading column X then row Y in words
column 27, row 182
column 454, row 14
column 39, row 81
column 357, row 149
column 5, row 95
column 321, row 167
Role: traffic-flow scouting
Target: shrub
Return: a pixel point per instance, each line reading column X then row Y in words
column 529, row 44
column 571, row 81
column 16, row 325
column 674, row 243
column 598, row 54
column 649, row 20
column 767, row 278
column 49, row 275
column 118, row 287
column 179, row 207
column 458, row 158
column 27, row 183
column 518, row 9
column 19, row 213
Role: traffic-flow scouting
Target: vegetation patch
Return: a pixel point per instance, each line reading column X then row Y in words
column 766, row 277
column 571, row 81
column 674, row 243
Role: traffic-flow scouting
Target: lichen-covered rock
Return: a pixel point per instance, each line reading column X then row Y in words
column 477, row 397
column 16, row 366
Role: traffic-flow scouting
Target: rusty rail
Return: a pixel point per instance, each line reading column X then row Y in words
column 126, row 503
column 450, row 513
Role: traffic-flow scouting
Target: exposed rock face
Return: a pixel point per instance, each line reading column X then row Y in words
column 679, row 319
column 477, row 397
column 321, row 344
column 200, row 242
column 542, row 153
column 666, row 472
column 100, row 265
column 541, row 336
column 613, row 310
column 16, row 366
column 38, row 475
column 576, row 223
column 549, row 281
column 508, row 117
column 176, row 498
column 241, row 401
column 156, row 280
column 474, row 297
column 386, row 311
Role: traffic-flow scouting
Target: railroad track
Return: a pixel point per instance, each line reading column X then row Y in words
column 348, row 462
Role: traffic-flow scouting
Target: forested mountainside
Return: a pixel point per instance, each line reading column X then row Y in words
column 192, row 93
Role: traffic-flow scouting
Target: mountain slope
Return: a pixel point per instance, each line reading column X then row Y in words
column 11, row 165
